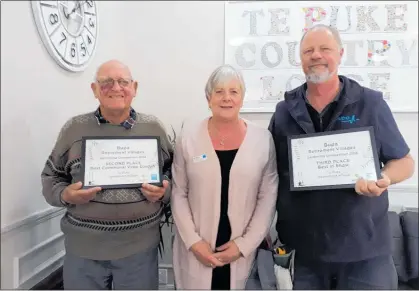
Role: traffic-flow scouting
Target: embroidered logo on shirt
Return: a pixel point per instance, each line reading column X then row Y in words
column 348, row 119
column 199, row 158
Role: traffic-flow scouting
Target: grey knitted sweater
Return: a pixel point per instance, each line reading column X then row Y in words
column 118, row 222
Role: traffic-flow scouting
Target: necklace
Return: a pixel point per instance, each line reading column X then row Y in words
column 221, row 137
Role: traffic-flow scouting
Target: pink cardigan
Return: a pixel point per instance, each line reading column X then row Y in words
column 196, row 196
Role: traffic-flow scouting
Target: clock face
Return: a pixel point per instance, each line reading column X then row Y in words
column 69, row 30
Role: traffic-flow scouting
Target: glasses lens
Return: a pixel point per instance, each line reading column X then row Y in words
column 106, row 84
column 124, row 82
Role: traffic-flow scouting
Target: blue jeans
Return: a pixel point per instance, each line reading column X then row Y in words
column 139, row 271
column 375, row 273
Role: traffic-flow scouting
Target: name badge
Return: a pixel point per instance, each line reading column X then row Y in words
column 199, row 158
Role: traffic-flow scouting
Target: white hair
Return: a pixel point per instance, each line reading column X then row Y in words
column 222, row 74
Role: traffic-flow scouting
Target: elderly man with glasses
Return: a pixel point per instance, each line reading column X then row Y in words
column 111, row 235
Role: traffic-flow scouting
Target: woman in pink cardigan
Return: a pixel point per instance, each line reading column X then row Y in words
column 224, row 191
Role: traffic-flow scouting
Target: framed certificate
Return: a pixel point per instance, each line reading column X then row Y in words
column 121, row 162
column 330, row 160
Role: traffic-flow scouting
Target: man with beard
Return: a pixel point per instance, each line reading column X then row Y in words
column 340, row 235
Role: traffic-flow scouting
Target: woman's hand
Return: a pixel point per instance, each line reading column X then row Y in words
column 228, row 253
column 203, row 252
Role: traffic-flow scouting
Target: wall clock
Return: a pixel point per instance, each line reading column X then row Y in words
column 69, row 31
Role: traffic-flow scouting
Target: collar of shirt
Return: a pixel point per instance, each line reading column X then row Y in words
column 128, row 123
column 328, row 105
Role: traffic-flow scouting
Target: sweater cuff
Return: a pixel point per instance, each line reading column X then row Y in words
column 241, row 244
column 57, row 197
column 193, row 239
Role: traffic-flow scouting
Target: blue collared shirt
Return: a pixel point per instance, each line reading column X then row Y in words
column 128, row 123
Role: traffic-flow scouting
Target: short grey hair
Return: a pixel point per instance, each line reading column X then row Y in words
column 223, row 74
column 331, row 29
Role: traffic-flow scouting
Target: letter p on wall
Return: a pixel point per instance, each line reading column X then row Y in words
column 313, row 15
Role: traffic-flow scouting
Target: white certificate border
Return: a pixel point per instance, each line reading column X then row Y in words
column 120, row 186
column 370, row 129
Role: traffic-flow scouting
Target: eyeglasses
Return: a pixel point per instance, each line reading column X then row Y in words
column 108, row 84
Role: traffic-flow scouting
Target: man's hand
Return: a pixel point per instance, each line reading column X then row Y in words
column 73, row 194
column 154, row 193
column 372, row 188
column 203, row 252
column 228, row 253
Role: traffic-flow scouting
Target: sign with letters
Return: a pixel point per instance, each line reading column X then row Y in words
column 121, row 162
column 380, row 41
column 335, row 159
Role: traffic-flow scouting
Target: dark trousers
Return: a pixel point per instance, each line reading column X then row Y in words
column 139, row 271
column 375, row 273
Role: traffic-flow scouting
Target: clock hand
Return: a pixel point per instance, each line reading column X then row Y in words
column 75, row 8
column 66, row 15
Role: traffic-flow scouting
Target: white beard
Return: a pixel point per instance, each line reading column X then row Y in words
column 318, row 78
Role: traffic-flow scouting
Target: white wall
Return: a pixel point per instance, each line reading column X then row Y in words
column 172, row 47
column 37, row 97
